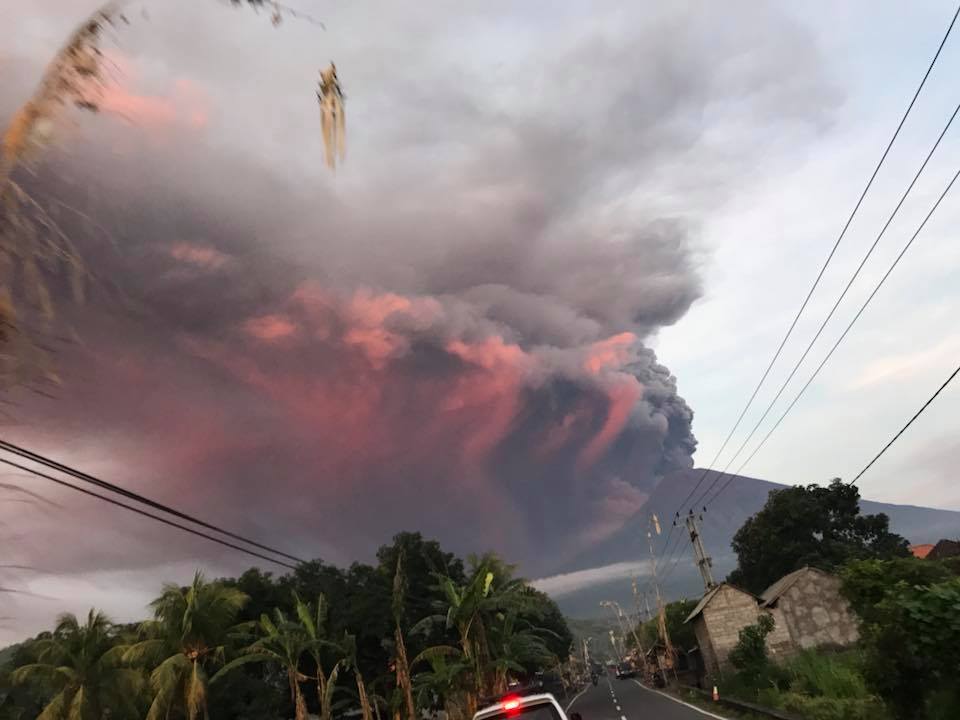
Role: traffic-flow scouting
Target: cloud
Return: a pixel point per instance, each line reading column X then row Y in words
column 207, row 258
column 567, row 583
column 451, row 335
column 901, row 366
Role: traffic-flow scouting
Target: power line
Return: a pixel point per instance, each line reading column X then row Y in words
column 917, row 414
column 144, row 513
column 87, row 478
column 833, row 251
column 836, row 304
column 856, row 317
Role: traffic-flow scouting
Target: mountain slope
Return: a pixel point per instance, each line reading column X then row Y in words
column 743, row 498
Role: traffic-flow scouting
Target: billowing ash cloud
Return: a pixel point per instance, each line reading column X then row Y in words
column 449, row 335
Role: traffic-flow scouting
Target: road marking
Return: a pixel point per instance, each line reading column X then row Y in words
column 681, row 702
column 618, row 708
column 575, row 698
column 623, row 717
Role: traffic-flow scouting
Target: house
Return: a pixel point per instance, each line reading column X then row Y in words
column 921, row 551
column 720, row 616
column 944, row 549
column 813, row 609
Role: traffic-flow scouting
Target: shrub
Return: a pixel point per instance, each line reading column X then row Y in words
column 828, row 708
column 838, row 676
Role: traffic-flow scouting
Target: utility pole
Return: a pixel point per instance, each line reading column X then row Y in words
column 618, row 611
column 613, row 641
column 704, row 563
column 661, row 613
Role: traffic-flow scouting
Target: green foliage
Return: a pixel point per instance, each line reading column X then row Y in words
column 813, row 525
column 79, row 674
column 866, row 583
column 541, row 611
column 253, row 647
column 681, row 634
column 749, row 655
column 838, row 676
column 815, row 686
column 827, row 708
column 913, row 647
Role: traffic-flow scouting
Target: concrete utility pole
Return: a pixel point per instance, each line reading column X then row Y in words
column 613, row 641
column 661, row 612
column 704, row 563
column 618, row 611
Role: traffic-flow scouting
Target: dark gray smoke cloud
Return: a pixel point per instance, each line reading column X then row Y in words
column 449, row 335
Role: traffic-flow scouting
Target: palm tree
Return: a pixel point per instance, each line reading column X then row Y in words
column 315, row 626
column 80, row 665
column 183, row 642
column 283, row 642
column 470, row 608
column 350, row 649
column 443, row 683
column 400, row 660
column 515, row 646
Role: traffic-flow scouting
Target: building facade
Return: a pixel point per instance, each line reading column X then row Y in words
column 813, row 609
column 721, row 615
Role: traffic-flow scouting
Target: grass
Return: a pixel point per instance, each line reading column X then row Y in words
column 816, row 686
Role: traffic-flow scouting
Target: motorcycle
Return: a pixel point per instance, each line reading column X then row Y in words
column 594, row 678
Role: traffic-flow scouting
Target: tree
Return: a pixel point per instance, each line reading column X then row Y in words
column 541, row 611
column 443, row 684
column 401, row 663
column 79, row 666
column 913, row 650
column 350, row 661
column 517, row 646
column 183, row 642
column 749, row 657
column 282, row 643
column 867, row 583
column 315, row 626
column 469, row 609
column 812, row 525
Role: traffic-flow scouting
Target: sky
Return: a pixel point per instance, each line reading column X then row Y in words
column 564, row 244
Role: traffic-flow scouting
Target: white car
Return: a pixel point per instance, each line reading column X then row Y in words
column 524, row 707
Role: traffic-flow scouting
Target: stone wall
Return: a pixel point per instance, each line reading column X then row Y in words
column 816, row 613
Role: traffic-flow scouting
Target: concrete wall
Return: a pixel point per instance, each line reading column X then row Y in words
column 780, row 644
column 728, row 612
column 709, row 657
column 816, row 613
column 718, row 628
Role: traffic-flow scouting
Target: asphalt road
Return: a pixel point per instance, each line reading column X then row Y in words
column 614, row 699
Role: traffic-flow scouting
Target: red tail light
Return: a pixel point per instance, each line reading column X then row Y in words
column 511, row 704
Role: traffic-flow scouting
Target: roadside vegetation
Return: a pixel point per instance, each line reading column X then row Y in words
column 420, row 630
column 907, row 662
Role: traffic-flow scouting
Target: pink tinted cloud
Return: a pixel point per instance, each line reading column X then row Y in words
column 623, row 394
column 491, row 391
column 182, row 104
column 619, row 502
column 369, row 314
column 269, row 328
column 611, row 353
column 201, row 256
